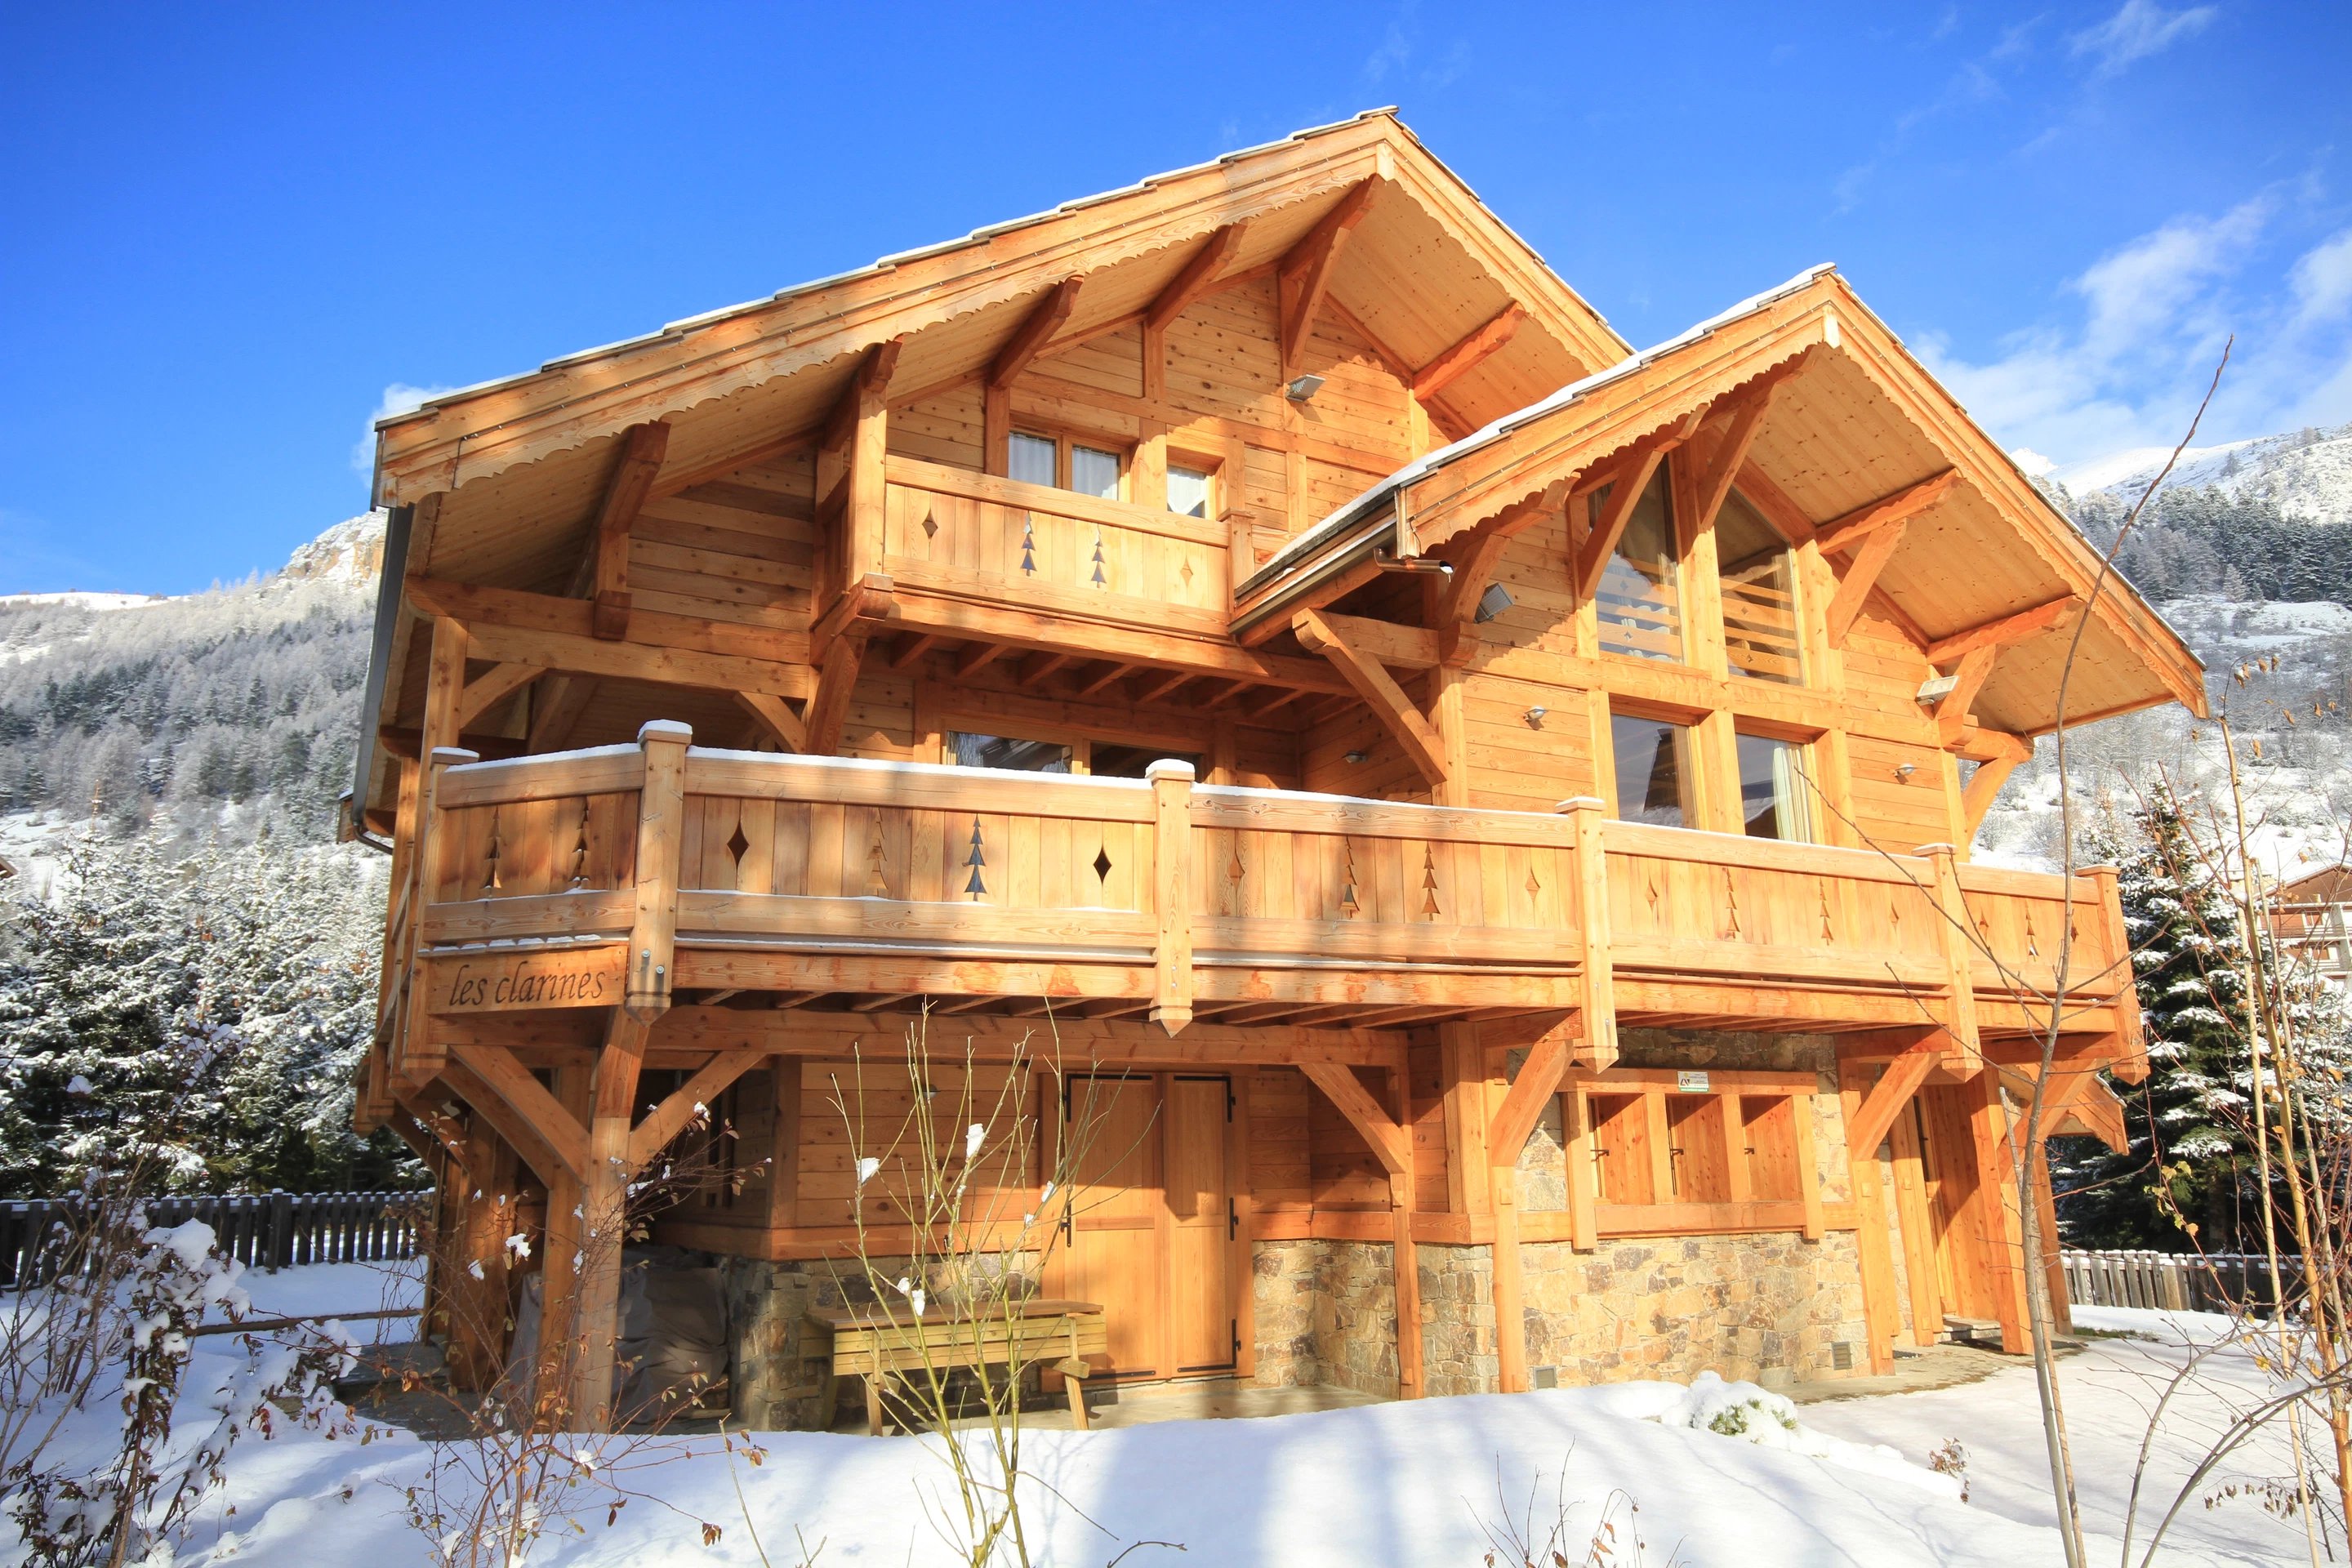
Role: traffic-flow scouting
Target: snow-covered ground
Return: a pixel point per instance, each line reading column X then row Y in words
column 1390, row 1486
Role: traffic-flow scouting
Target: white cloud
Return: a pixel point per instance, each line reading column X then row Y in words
column 2129, row 367
column 2323, row 280
column 398, row 398
column 2140, row 28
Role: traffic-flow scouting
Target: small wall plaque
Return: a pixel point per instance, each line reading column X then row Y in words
column 1692, row 1082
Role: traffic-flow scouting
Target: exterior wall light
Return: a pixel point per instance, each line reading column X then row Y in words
column 1303, row 387
column 1535, row 717
column 1902, row 771
column 1492, row 603
column 1354, row 757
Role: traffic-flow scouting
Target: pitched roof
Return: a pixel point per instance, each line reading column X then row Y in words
column 1862, row 419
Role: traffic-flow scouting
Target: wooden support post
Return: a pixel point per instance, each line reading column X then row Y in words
column 1405, row 1263
column 1576, row 1113
column 1510, row 1285
column 1959, row 934
column 1992, row 1211
column 661, row 823
column 2130, row 1062
column 1809, row 1164
column 1172, row 849
column 1913, row 1212
column 1463, row 1076
column 1599, row 1050
column 604, row 1227
column 416, row 1057
column 1881, row 1310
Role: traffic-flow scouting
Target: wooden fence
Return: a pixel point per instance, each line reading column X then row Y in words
column 2176, row 1282
column 263, row 1230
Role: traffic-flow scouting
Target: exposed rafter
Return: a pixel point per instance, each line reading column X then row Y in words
column 1197, row 278
column 1306, row 271
column 1469, row 353
column 486, row 689
column 1884, row 512
column 1632, row 481
column 1859, row 577
column 1379, row 689
column 2005, row 630
column 1730, row 454
column 1035, row 330
column 603, row 571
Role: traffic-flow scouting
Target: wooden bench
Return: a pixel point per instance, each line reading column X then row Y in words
column 869, row 1343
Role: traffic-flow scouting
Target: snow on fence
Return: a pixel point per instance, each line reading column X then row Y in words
column 263, row 1230
column 2216, row 1283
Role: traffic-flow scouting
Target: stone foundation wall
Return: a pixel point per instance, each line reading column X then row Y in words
column 1457, row 1319
column 1282, row 1298
column 1355, row 1316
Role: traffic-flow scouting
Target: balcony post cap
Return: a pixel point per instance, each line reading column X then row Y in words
column 1170, row 768
column 452, row 756
column 1582, row 803
column 1935, row 850
column 666, row 730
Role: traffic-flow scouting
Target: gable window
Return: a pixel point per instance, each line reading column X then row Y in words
column 1760, row 595
column 1653, row 770
column 1638, row 597
column 1064, row 464
column 1188, row 492
column 1772, row 789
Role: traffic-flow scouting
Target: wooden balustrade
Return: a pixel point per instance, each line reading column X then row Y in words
column 831, row 874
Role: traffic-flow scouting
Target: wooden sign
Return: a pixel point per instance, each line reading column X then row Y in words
column 1689, row 1082
column 501, row 982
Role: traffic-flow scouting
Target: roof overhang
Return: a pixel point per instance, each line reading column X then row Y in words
column 1815, row 330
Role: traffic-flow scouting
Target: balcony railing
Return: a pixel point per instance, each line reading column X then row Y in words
column 536, row 879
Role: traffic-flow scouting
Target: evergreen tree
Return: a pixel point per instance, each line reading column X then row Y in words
column 208, row 1012
column 2188, row 1174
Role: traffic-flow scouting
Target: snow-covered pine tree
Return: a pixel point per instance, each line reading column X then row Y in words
column 2188, row 1173
column 205, row 1013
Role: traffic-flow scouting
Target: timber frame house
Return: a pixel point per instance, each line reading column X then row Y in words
column 1499, row 799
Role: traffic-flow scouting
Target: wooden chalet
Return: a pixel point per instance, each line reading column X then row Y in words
column 1499, row 802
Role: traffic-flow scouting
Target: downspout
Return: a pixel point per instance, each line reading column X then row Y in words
column 353, row 824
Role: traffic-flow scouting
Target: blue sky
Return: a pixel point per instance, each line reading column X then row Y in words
column 232, row 232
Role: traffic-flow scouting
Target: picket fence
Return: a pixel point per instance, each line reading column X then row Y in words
column 2218, row 1282
column 261, row 1230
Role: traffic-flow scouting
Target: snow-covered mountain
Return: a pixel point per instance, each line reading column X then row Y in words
column 233, row 709
column 2307, row 473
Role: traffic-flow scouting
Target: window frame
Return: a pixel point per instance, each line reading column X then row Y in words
column 1065, row 442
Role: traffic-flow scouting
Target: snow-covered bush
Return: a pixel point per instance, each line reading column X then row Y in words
column 1748, row 1413
column 116, row 1447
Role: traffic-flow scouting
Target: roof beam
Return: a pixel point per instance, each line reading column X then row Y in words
column 1196, row 280
column 603, row 571
column 487, row 689
column 1030, row 338
column 1109, row 675
column 1730, row 455
column 776, row 718
column 1467, row 355
column 1859, row 577
column 1379, row 689
column 1628, row 487
column 1952, row 711
column 1390, row 1143
column 2005, row 630
column 1901, row 507
column 1983, row 786
column 1304, row 274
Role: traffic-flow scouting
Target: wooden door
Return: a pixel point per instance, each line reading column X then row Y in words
column 1150, row 1232
column 1200, row 1324
column 1115, row 1210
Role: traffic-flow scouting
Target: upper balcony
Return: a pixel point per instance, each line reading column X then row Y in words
column 840, row 883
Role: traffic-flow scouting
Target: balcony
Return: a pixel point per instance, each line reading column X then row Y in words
column 835, row 883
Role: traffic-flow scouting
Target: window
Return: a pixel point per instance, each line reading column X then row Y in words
column 1106, row 760
column 1188, row 492
column 1094, row 472
column 1653, row 770
column 1759, row 595
column 1772, row 789
column 1639, row 595
column 967, row 751
column 1063, row 464
column 1034, row 459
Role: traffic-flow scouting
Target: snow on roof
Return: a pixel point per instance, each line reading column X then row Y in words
column 1325, row 533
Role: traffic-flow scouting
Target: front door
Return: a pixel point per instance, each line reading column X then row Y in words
column 1152, row 1215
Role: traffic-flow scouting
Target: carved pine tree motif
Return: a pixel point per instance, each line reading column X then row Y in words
column 978, row 860
column 1028, row 545
column 491, row 878
column 1100, row 578
column 1349, row 908
column 1428, row 882
column 579, row 878
column 1730, row 905
column 877, row 884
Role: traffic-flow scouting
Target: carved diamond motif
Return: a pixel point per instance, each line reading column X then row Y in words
column 737, row 845
column 1102, row 865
